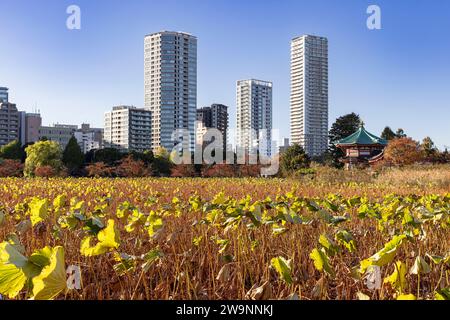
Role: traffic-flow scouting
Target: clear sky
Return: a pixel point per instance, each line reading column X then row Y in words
column 397, row 76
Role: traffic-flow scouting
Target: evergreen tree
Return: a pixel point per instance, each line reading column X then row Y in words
column 12, row 150
column 294, row 159
column 109, row 156
column 429, row 148
column 342, row 128
column 388, row 134
column 400, row 133
column 73, row 156
column 161, row 165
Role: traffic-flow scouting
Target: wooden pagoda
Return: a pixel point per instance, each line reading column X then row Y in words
column 361, row 148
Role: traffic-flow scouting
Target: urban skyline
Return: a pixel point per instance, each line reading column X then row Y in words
column 364, row 64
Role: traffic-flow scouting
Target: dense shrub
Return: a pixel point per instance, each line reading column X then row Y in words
column 11, row 168
column 219, row 170
column 12, row 151
column 45, row 172
column 99, row 169
column 129, row 167
column 249, row 170
column 183, row 170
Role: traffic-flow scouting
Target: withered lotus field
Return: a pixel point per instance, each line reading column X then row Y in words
column 225, row 239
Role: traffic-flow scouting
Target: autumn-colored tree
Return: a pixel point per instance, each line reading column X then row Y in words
column 249, row 170
column 219, row 170
column 403, row 151
column 11, row 168
column 129, row 167
column 45, row 172
column 183, row 170
column 99, row 169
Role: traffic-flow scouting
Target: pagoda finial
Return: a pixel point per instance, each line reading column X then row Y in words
column 362, row 124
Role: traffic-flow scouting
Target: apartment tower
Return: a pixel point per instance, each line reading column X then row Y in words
column 309, row 93
column 254, row 116
column 128, row 128
column 170, row 76
column 9, row 123
column 214, row 116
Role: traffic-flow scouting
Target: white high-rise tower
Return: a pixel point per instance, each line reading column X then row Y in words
column 309, row 93
column 254, row 116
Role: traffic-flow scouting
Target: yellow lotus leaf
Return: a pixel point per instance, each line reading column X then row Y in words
column 406, row 297
column 108, row 239
column 12, row 275
column 59, row 201
column 52, row 280
column 385, row 255
column 283, row 267
column 38, row 210
column 397, row 278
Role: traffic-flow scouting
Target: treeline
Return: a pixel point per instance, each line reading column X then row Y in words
column 46, row 159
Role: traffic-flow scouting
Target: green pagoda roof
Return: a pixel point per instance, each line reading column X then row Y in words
column 362, row 136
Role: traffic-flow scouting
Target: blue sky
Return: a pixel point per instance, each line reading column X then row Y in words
column 398, row 76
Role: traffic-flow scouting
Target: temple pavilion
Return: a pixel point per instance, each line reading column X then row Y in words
column 361, row 148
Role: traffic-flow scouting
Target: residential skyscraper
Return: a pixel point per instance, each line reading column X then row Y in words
column 9, row 123
column 170, row 76
column 254, row 115
column 128, row 129
column 3, row 94
column 214, row 116
column 309, row 93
